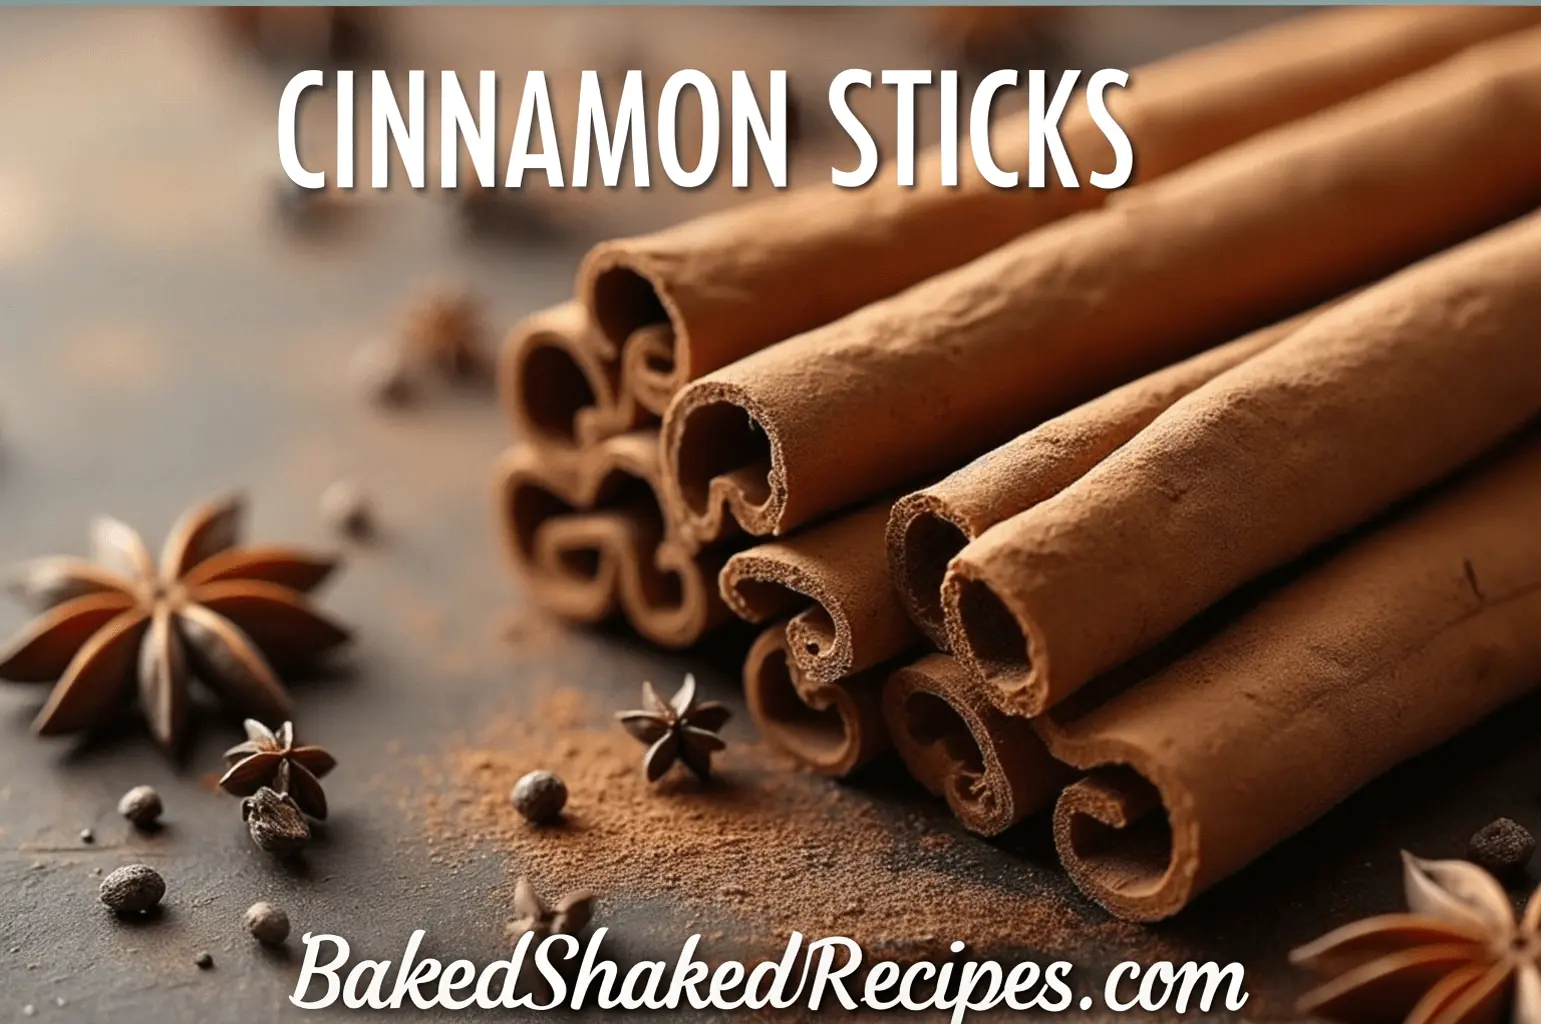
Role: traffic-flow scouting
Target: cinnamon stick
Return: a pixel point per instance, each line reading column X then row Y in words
column 1372, row 400
column 832, row 727
column 1399, row 642
column 586, row 533
column 733, row 282
column 557, row 384
column 832, row 580
column 927, row 528
column 969, row 358
column 991, row 768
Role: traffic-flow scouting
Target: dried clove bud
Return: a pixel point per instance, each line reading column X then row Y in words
column 141, row 806
column 540, row 797
column 267, row 924
column 132, row 890
column 275, row 821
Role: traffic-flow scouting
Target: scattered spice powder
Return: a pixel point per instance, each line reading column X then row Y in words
column 765, row 844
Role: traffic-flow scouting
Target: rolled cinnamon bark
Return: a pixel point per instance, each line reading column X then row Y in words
column 557, row 384
column 854, row 621
column 586, row 533
column 1402, row 640
column 991, row 768
column 734, row 282
column 969, row 358
column 647, row 361
column 927, row 528
column 1372, row 400
column 833, row 728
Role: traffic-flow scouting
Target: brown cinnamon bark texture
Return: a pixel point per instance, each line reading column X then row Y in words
column 734, row 282
column 972, row 357
column 586, row 533
column 1372, row 400
column 991, row 768
column 854, row 620
column 833, row 728
column 1399, row 642
column 927, row 528
column 557, row 386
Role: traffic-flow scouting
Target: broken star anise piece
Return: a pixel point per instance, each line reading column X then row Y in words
column 680, row 730
column 1459, row 957
column 210, row 609
column 271, row 759
column 567, row 917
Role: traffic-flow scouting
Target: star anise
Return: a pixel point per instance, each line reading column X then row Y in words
column 444, row 333
column 568, row 917
column 680, row 730
column 271, row 759
column 210, row 609
column 1459, row 957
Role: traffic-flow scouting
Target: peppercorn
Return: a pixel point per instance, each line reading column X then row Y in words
column 540, row 797
column 141, row 806
column 267, row 924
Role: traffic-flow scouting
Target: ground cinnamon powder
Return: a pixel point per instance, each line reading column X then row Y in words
column 763, row 850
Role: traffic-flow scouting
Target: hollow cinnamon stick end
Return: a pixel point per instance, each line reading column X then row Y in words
column 832, row 728
column 722, row 462
column 994, row 644
column 1116, row 839
column 623, row 291
column 992, row 770
column 565, row 561
column 554, row 386
column 922, row 538
column 673, row 601
column 650, row 372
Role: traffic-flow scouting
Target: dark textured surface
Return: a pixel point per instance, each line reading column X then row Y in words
column 165, row 339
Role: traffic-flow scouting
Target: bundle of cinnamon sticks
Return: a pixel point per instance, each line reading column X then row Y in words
column 1183, row 515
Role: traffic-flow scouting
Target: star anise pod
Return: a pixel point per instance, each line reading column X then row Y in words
column 1459, row 957
column 568, row 917
column 680, row 730
column 444, row 333
column 210, row 609
column 271, row 759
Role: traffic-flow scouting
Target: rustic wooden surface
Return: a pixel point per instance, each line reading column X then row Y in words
column 164, row 338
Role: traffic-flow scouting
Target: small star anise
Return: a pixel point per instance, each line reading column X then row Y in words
column 1459, row 957
column 444, row 333
column 271, row 759
column 679, row 730
column 209, row 609
column 568, row 917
